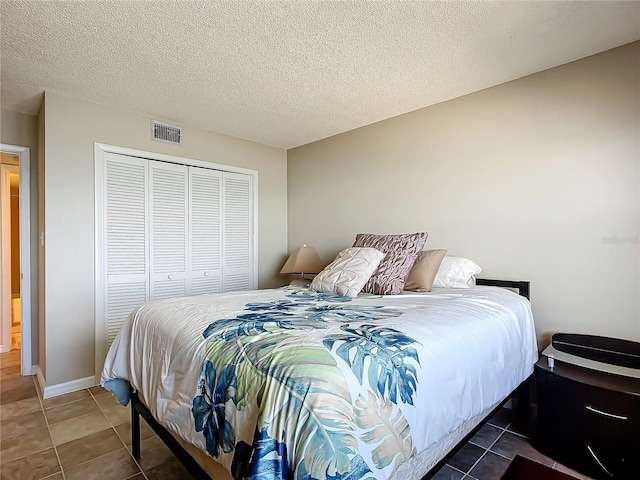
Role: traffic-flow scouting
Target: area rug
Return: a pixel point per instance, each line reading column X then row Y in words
column 522, row 468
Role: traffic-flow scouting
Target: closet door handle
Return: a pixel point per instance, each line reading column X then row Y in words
column 170, row 276
column 206, row 274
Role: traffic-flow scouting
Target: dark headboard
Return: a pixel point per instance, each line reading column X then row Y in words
column 523, row 287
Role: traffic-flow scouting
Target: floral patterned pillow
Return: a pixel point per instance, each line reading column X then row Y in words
column 400, row 252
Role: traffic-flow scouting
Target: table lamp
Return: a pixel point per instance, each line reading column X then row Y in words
column 303, row 260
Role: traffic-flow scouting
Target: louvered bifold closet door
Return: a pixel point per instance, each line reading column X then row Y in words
column 237, row 232
column 205, row 217
column 125, row 229
column 168, row 219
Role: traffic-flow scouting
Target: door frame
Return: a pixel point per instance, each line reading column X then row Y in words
column 24, row 171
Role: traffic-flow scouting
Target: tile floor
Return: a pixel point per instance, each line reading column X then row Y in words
column 10, row 364
column 86, row 435
column 82, row 435
column 488, row 454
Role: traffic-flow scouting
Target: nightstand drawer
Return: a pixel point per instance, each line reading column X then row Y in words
column 619, row 408
column 603, row 462
column 591, row 429
column 609, row 417
column 611, row 440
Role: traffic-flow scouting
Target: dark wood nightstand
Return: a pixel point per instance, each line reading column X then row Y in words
column 589, row 418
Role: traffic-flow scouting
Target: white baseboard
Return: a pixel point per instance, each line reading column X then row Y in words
column 62, row 388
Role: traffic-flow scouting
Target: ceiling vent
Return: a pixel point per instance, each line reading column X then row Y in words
column 166, row 133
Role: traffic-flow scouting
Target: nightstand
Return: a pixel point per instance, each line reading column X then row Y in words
column 589, row 405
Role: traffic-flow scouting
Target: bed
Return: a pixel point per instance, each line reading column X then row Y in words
column 291, row 383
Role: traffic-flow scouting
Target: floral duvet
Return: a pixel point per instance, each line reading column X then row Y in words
column 294, row 384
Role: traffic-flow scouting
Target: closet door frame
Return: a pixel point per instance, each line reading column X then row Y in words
column 100, row 149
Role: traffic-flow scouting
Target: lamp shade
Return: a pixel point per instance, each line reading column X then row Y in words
column 303, row 260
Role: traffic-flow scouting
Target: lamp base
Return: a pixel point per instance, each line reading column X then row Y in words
column 301, row 281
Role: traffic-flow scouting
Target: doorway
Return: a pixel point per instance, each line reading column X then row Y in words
column 15, row 278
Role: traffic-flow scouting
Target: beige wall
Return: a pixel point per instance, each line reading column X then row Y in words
column 22, row 130
column 72, row 127
column 536, row 179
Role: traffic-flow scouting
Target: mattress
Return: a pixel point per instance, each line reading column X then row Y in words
column 272, row 382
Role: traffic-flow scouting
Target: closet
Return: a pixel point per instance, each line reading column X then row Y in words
column 167, row 230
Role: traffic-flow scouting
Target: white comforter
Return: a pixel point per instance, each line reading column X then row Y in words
column 273, row 382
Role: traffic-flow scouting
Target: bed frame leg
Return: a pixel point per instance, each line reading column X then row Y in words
column 139, row 409
column 135, row 428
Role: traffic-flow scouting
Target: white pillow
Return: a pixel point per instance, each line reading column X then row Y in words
column 348, row 273
column 456, row 272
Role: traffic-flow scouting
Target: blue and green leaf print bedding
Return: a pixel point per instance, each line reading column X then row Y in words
column 294, row 384
column 309, row 406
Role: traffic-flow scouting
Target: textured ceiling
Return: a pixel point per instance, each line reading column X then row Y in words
column 289, row 73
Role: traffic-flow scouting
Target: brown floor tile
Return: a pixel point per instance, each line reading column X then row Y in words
column 502, row 418
column 107, row 400
column 18, row 425
column 71, row 410
column 9, row 411
column 15, row 389
column 490, row 466
column 466, row 457
column 27, row 443
column 139, row 476
column 67, row 398
column 74, row 428
column 98, row 390
column 116, row 465
column 509, row 445
column 87, row 448
column 153, row 453
column 448, row 473
column 124, row 430
column 117, row 415
column 36, row 466
column 170, row 469
column 486, row 436
column 57, row 476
